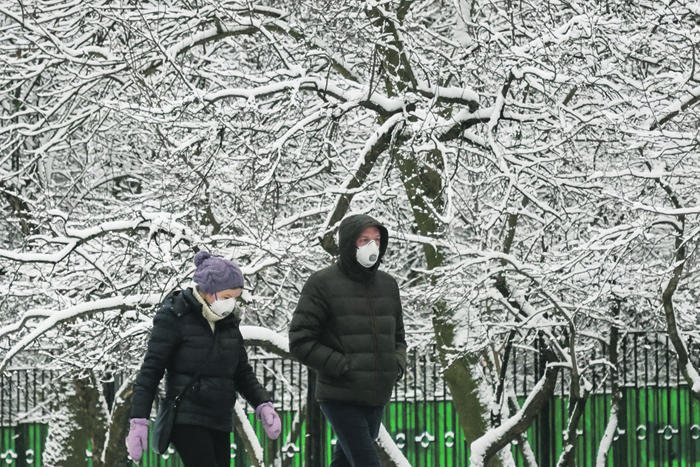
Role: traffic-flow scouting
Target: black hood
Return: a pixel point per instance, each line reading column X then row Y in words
column 350, row 230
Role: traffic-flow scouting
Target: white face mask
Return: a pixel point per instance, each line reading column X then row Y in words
column 368, row 254
column 223, row 307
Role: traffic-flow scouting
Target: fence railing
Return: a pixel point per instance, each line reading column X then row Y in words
column 659, row 422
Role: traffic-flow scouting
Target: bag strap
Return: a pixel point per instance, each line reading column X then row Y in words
column 199, row 372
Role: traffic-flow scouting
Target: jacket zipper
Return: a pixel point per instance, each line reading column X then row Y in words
column 376, row 344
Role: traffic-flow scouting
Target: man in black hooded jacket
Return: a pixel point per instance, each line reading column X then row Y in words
column 348, row 326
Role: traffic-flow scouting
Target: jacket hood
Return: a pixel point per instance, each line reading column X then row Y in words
column 350, row 230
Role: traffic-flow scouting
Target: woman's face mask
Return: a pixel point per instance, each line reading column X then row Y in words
column 368, row 254
column 223, row 307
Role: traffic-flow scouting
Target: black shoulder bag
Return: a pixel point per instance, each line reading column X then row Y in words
column 163, row 427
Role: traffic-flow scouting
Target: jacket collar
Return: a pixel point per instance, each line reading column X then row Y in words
column 186, row 302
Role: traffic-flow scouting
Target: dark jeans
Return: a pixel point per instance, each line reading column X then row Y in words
column 199, row 446
column 356, row 427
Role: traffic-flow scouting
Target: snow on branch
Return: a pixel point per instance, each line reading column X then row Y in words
column 659, row 172
column 54, row 317
column 247, row 433
column 387, row 444
column 347, row 70
column 211, row 34
column 573, row 29
column 259, row 265
column 154, row 222
column 666, row 210
column 323, row 86
column 373, row 145
column 464, row 95
column 267, row 339
column 301, row 215
column 614, row 237
column 499, row 437
column 299, row 126
column 39, row 257
column 674, row 109
column 69, row 53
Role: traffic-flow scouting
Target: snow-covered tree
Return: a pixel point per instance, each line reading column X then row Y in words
column 535, row 163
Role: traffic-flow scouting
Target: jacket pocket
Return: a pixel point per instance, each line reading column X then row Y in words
column 344, row 366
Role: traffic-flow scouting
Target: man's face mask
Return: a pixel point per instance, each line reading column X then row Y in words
column 223, row 307
column 368, row 254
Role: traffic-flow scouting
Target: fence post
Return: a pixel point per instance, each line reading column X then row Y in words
column 546, row 450
column 21, row 445
column 314, row 435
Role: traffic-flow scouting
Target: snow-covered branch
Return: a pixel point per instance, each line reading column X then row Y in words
column 497, row 438
column 54, row 317
column 267, row 339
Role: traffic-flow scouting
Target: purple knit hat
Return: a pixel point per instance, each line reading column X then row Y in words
column 215, row 274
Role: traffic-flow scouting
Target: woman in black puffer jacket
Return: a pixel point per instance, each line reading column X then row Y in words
column 182, row 337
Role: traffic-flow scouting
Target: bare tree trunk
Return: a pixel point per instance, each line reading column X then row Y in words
column 486, row 447
column 576, row 408
column 80, row 420
column 690, row 373
column 91, row 416
column 66, row 441
column 610, row 429
column 115, row 451
column 578, row 397
column 312, row 451
column 464, row 387
column 523, row 446
column 613, row 420
column 423, row 185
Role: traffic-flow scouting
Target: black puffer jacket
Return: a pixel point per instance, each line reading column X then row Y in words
column 348, row 325
column 180, row 342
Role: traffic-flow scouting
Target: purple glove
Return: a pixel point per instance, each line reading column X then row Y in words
column 270, row 420
column 137, row 440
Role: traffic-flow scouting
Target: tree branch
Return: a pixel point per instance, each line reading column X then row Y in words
column 497, row 438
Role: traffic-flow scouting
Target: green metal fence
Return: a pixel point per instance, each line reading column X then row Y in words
column 659, row 421
column 658, row 427
column 23, row 444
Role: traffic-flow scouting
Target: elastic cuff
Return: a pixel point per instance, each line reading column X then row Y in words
column 260, row 407
column 140, row 421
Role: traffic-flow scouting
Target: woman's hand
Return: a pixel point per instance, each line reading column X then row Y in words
column 269, row 418
column 137, row 440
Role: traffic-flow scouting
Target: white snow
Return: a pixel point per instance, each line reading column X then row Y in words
column 52, row 317
column 249, row 433
column 385, row 441
column 479, row 446
column 260, row 118
column 694, row 376
column 266, row 335
column 608, row 437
